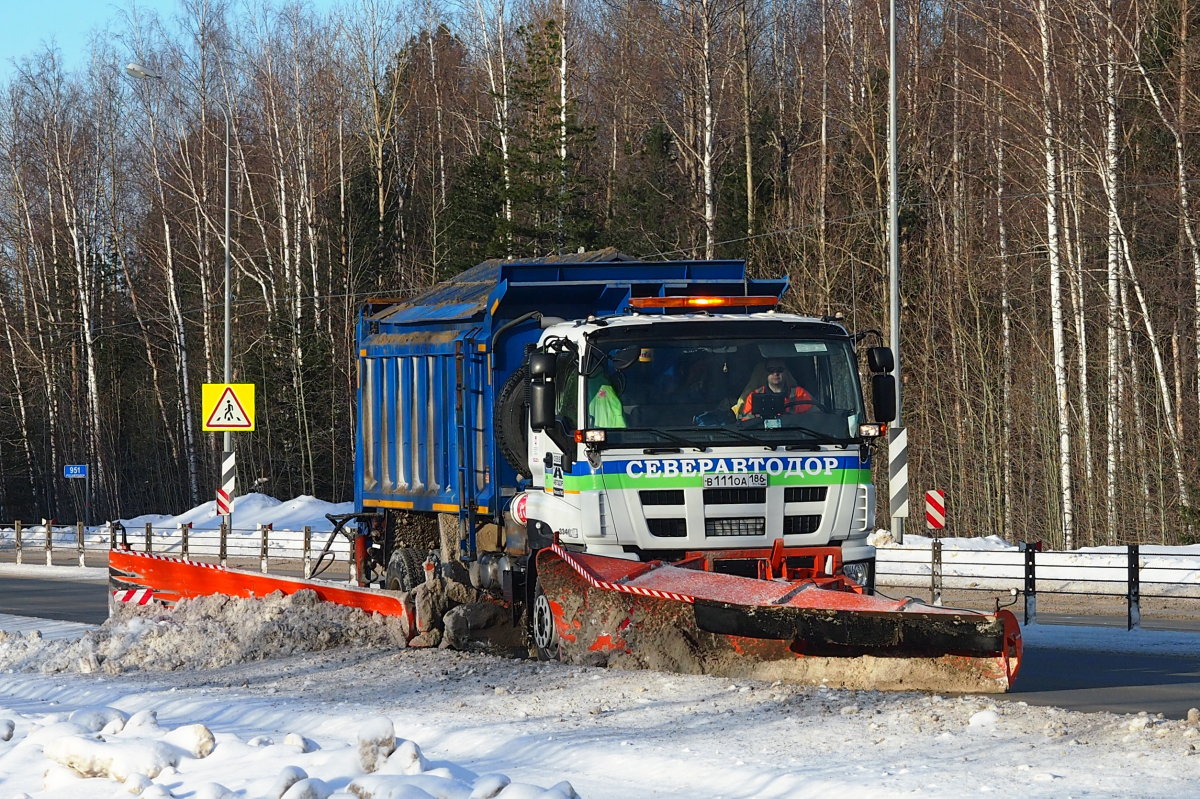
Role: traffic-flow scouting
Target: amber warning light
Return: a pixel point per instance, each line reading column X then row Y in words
column 701, row 302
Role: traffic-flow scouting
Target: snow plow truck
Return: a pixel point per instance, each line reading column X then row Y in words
column 640, row 464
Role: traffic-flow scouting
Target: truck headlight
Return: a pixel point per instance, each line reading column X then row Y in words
column 872, row 430
column 861, row 572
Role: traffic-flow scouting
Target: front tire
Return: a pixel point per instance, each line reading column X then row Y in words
column 542, row 632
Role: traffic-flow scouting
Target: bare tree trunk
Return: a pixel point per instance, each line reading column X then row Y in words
column 708, row 134
column 562, row 126
column 1062, row 402
column 747, row 107
column 823, row 153
column 496, row 64
column 1006, row 343
column 1109, row 179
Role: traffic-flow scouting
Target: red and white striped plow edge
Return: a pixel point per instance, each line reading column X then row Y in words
column 623, row 588
column 138, row 596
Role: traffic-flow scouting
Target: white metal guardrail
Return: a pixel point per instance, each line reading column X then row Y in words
column 262, row 545
column 1132, row 572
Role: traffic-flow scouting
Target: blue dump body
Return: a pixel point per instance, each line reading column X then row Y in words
column 429, row 368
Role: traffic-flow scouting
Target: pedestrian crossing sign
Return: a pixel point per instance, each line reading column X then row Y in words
column 227, row 407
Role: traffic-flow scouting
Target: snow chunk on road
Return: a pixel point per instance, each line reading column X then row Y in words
column 195, row 739
column 984, row 718
column 100, row 718
column 376, row 740
column 116, row 760
column 309, row 788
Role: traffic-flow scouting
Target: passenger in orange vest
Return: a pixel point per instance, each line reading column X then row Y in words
column 796, row 398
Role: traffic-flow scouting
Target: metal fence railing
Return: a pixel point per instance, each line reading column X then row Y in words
column 305, row 551
column 1131, row 573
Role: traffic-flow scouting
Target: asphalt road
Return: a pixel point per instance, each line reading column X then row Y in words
column 1084, row 681
column 65, row 600
column 1118, row 683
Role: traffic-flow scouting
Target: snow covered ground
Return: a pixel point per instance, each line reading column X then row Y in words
column 235, row 698
column 286, row 698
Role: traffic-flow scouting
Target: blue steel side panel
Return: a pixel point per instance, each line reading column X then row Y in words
column 387, row 429
column 359, row 450
column 406, row 419
column 449, row 456
column 422, row 479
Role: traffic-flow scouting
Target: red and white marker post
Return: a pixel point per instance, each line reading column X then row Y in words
column 935, row 519
column 935, row 510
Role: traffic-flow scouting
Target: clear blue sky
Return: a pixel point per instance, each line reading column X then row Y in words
column 27, row 25
column 30, row 24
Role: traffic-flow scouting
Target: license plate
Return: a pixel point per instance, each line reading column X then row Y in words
column 735, row 481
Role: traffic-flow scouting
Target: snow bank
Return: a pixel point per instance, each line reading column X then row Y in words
column 204, row 633
column 251, row 510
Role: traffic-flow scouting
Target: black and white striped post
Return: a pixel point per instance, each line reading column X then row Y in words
column 898, row 479
column 228, row 488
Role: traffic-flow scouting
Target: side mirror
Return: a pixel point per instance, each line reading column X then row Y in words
column 541, row 405
column 541, row 364
column 883, row 396
column 880, row 360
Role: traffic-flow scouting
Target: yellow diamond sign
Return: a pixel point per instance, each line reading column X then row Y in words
column 227, row 407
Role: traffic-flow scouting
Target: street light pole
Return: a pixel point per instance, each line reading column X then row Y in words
column 228, row 471
column 897, row 440
column 228, row 459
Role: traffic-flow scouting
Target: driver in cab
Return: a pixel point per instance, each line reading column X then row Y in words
column 779, row 383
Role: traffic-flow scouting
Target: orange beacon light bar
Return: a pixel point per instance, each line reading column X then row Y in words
column 701, row 302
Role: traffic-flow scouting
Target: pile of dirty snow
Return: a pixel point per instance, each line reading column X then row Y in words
column 206, row 632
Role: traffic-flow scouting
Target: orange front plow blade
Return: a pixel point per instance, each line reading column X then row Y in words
column 636, row 615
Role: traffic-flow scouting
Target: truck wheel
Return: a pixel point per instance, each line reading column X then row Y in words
column 512, row 421
column 405, row 570
column 541, row 626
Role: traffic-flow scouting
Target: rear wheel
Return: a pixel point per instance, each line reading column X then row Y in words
column 405, row 570
column 541, row 626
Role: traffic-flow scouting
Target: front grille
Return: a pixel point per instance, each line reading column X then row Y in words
column 667, row 528
column 669, row 497
column 752, row 525
column 798, row 525
column 804, row 494
column 735, row 496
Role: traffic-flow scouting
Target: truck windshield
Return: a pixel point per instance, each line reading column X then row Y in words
column 726, row 392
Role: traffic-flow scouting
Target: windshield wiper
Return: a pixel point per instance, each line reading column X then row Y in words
column 658, row 431
column 738, row 434
column 822, row 438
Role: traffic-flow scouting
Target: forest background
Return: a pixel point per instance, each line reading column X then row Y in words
column 1049, row 256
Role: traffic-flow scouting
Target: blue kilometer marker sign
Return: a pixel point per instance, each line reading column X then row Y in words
column 75, row 470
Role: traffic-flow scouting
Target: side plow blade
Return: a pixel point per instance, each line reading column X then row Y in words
column 139, row 577
column 639, row 615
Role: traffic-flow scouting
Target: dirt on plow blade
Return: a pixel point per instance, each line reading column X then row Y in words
column 631, row 615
